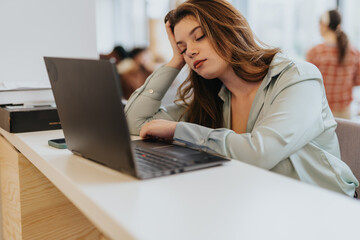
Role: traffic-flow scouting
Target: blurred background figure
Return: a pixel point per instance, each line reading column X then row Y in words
column 339, row 63
column 135, row 69
column 116, row 55
column 132, row 66
column 144, row 59
column 131, row 76
column 135, row 66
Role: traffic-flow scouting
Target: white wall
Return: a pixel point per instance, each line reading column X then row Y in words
column 31, row 29
column 351, row 20
column 105, row 25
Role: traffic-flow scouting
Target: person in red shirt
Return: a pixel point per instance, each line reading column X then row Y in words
column 338, row 62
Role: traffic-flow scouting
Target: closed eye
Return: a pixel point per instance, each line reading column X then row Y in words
column 198, row 39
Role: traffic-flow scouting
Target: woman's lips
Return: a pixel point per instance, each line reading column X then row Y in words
column 198, row 63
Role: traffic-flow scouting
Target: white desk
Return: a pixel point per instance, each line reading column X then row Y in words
column 233, row 201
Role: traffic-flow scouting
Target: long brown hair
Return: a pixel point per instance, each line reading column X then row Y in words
column 233, row 40
column 341, row 38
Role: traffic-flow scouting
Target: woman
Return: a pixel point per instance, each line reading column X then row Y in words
column 241, row 100
column 338, row 62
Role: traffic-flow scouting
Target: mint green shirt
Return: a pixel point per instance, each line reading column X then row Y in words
column 290, row 129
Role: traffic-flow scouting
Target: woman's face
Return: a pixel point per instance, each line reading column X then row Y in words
column 197, row 49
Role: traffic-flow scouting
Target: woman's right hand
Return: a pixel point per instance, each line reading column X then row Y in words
column 177, row 60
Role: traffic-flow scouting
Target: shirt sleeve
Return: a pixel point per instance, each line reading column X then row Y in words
column 292, row 121
column 144, row 104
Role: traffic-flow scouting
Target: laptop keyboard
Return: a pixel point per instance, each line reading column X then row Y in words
column 148, row 161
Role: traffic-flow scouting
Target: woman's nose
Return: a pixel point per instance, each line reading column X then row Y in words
column 192, row 52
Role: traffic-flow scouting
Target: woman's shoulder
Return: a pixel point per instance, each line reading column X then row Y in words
column 322, row 46
column 320, row 49
column 282, row 64
column 306, row 70
column 295, row 71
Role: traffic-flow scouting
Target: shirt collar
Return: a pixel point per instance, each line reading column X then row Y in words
column 223, row 93
column 279, row 63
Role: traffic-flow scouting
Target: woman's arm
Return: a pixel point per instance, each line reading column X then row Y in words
column 144, row 104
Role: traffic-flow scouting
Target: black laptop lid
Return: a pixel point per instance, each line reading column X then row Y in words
column 88, row 98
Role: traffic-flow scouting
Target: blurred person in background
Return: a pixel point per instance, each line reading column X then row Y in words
column 135, row 69
column 132, row 66
column 339, row 63
column 144, row 59
column 116, row 55
column 131, row 76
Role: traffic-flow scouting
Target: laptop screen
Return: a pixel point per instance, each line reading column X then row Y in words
column 89, row 102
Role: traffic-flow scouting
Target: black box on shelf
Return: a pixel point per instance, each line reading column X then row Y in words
column 18, row 118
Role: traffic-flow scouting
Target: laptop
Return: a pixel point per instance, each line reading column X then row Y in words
column 88, row 97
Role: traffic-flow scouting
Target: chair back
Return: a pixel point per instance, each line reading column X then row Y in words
column 348, row 133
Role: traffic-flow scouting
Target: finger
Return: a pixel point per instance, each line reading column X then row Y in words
column 168, row 27
column 144, row 130
column 170, row 34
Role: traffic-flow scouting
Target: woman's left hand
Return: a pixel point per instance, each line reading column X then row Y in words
column 159, row 128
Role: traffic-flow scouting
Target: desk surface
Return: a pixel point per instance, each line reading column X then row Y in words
column 233, row 201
